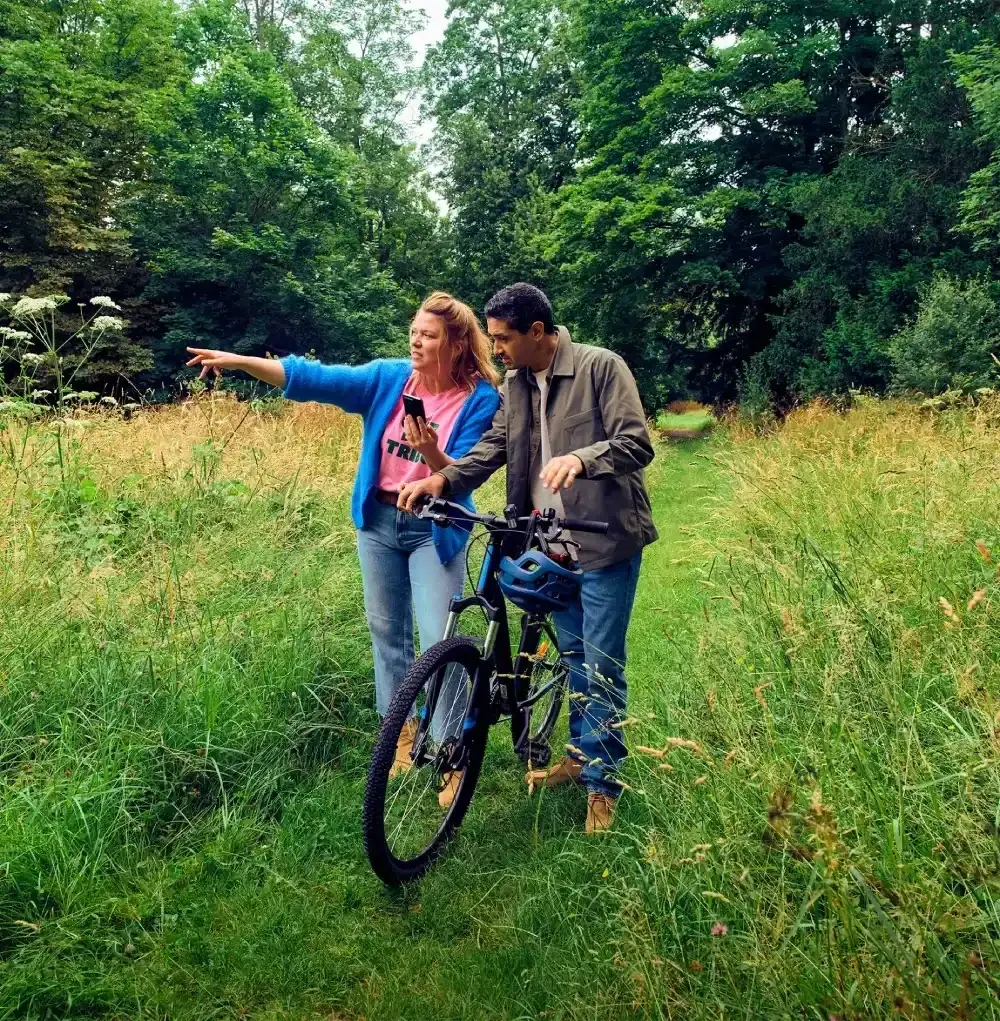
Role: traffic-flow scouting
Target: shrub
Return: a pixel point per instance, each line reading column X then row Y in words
column 953, row 341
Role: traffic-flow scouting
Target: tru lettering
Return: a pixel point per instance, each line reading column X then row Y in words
column 400, row 449
column 404, row 450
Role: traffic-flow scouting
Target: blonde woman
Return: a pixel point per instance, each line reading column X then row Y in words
column 407, row 565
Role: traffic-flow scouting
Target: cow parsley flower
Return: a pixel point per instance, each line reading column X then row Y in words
column 107, row 323
column 104, row 301
column 11, row 334
column 32, row 306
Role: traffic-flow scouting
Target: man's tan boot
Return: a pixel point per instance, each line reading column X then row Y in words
column 600, row 813
column 566, row 770
column 402, row 762
column 450, row 788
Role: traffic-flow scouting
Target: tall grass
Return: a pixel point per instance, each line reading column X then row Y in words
column 185, row 683
column 180, row 636
column 836, row 817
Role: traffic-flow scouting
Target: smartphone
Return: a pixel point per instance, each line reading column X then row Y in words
column 413, row 406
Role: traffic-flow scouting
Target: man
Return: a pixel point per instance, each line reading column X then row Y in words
column 572, row 433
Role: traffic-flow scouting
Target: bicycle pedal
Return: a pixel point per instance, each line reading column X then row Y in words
column 537, row 754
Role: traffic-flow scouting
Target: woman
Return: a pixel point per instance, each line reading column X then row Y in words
column 407, row 564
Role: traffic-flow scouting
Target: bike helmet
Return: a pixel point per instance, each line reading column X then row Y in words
column 535, row 583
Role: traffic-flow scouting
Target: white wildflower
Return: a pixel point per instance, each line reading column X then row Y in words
column 40, row 393
column 131, row 406
column 109, row 400
column 104, row 301
column 107, row 323
column 8, row 333
column 31, row 358
column 4, row 296
column 32, row 306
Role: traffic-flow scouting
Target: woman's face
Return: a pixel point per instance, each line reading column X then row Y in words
column 429, row 348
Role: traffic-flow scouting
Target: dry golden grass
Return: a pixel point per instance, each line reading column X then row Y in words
column 268, row 446
column 316, row 442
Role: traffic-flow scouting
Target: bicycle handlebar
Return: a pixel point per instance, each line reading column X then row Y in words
column 583, row 525
column 444, row 512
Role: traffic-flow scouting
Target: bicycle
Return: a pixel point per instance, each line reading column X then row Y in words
column 464, row 684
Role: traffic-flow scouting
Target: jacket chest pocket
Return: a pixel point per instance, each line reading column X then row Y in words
column 581, row 429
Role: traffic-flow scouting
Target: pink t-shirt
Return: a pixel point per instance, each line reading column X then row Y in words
column 400, row 462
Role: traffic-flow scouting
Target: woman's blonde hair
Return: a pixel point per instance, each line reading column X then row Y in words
column 468, row 341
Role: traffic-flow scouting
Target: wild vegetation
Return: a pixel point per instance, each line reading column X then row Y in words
column 791, row 205
column 186, row 682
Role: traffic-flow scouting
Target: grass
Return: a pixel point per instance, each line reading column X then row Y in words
column 686, row 421
column 186, row 691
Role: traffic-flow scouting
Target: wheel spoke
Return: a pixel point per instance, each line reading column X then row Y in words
column 413, row 815
column 404, row 822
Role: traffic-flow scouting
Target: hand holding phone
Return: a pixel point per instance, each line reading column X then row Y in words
column 413, row 406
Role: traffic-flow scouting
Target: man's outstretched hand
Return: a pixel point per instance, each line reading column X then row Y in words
column 412, row 492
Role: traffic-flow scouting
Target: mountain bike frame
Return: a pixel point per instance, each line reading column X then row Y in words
column 498, row 687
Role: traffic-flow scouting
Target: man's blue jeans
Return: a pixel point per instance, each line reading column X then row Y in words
column 401, row 573
column 592, row 638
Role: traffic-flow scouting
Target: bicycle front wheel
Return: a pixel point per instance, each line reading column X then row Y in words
column 426, row 762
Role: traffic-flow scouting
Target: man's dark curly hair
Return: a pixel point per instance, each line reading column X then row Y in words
column 519, row 306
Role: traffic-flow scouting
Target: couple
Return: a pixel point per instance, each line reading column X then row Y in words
column 572, row 433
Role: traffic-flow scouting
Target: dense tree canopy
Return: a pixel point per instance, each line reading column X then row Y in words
column 768, row 201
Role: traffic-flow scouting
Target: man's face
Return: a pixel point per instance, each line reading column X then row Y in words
column 513, row 348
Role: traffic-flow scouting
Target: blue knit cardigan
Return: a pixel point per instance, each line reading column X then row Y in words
column 372, row 391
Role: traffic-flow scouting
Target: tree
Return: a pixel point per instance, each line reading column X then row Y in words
column 355, row 75
column 77, row 75
column 770, row 185
column 502, row 91
column 981, row 201
column 248, row 223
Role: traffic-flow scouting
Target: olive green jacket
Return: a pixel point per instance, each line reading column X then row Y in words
column 593, row 411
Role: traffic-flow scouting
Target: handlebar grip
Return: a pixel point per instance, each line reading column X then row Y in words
column 599, row 527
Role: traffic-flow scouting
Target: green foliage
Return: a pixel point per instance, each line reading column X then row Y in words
column 187, row 721
column 718, row 191
column 50, row 349
column 953, row 342
column 786, row 184
column 249, row 224
column 981, row 201
column 232, row 175
column 502, row 90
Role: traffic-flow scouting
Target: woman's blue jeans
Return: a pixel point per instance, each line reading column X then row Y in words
column 401, row 573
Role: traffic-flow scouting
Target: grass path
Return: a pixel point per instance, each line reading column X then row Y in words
column 283, row 919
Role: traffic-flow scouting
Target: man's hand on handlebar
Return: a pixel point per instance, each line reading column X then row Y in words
column 411, row 493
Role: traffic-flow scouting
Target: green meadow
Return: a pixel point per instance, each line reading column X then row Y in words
column 186, row 692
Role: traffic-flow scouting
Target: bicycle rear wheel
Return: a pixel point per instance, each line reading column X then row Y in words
column 404, row 824
column 540, row 684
